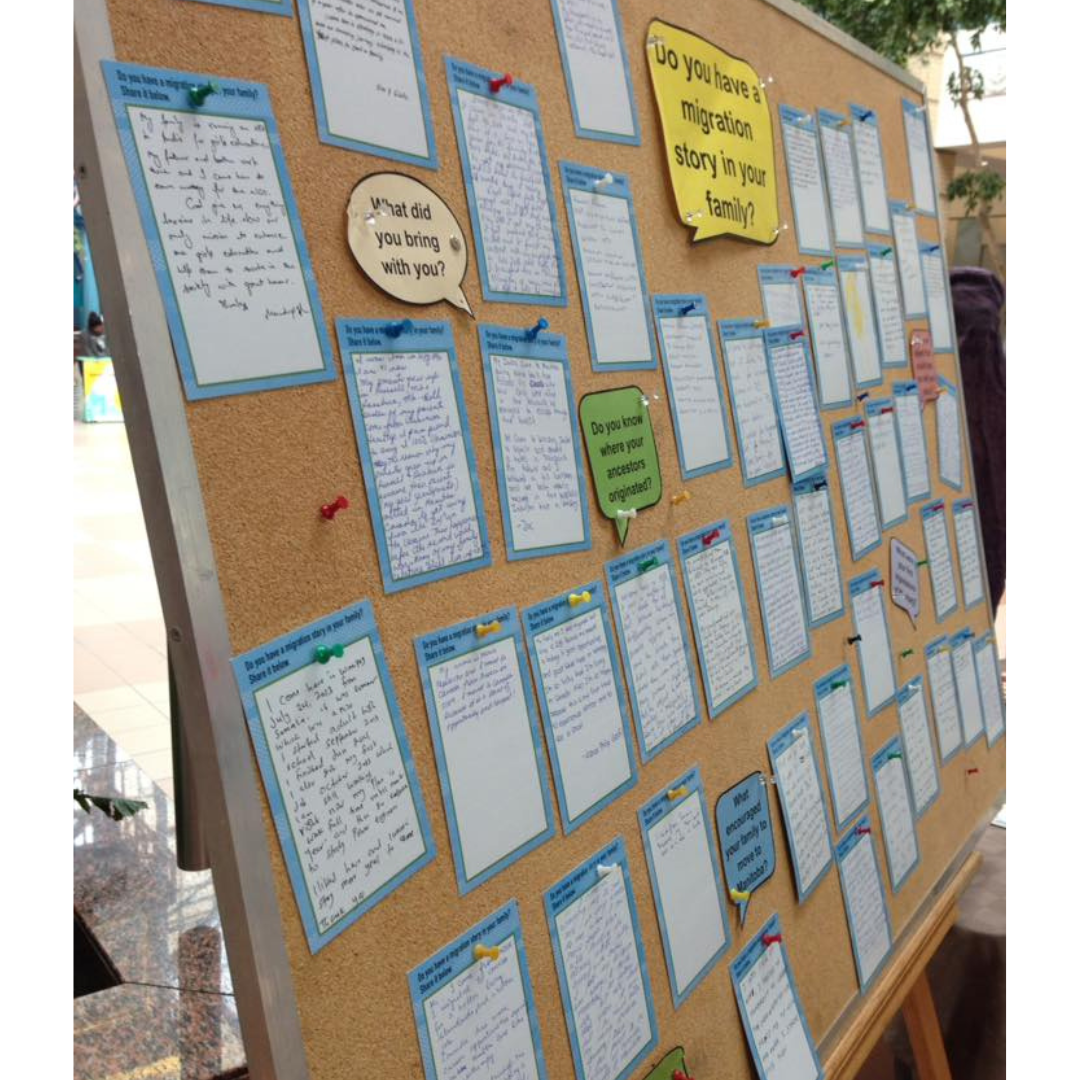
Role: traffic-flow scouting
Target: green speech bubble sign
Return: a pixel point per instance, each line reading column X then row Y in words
column 622, row 453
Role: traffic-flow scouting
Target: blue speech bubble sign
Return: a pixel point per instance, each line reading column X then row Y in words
column 746, row 838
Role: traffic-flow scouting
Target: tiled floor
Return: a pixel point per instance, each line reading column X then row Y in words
column 120, row 672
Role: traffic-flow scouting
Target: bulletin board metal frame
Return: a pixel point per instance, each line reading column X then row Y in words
column 223, row 775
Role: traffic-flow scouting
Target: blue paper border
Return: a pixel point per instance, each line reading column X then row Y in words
column 452, row 643
column 876, row 407
column 691, row 545
column 377, row 336
column 963, row 506
column 289, row 660
column 910, row 388
column 248, row 101
column 920, row 111
column 785, row 337
column 899, row 208
column 825, row 276
column 886, row 253
column 880, row 759
column 267, row 7
column 844, row 429
column 844, row 847
column 544, row 617
column 461, row 75
column 812, row 484
column 862, row 115
column 838, row 122
column 779, row 275
column 928, row 250
column 585, row 178
column 791, row 117
column 937, row 506
column 523, row 344
column 903, row 695
column 857, row 586
column 988, row 641
column 672, row 307
column 940, row 644
column 559, row 897
column 958, row 641
column 823, row 687
column 454, row 959
column 860, row 264
column 651, row 814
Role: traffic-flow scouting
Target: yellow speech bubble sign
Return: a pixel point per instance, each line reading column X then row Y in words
column 717, row 136
column 407, row 240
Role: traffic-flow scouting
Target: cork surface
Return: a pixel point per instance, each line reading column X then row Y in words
column 267, row 461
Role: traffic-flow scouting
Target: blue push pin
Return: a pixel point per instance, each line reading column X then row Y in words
column 687, row 308
column 531, row 335
column 395, row 330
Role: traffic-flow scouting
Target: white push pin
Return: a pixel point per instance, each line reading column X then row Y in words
column 654, row 39
column 779, row 229
column 691, row 216
column 766, row 82
column 604, row 181
column 603, row 869
column 768, row 780
column 645, row 400
column 631, row 513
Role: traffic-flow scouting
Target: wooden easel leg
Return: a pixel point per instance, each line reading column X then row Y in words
column 924, row 1032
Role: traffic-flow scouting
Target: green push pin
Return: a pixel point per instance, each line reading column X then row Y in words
column 828, row 262
column 648, row 564
column 907, row 652
column 838, row 685
column 923, row 562
column 324, row 652
column 197, row 95
column 895, row 757
column 886, row 252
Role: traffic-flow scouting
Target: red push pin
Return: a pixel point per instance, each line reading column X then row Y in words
column 878, row 584
column 330, row 509
column 798, row 271
column 862, row 830
column 678, row 1074
column 495, row 85
column 797, row 334
column 972, row 772
column 709, row 537
column 771, row 939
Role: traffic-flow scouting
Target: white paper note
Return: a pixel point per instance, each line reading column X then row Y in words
column 879, row 683
column 990, row 691
column 918, row 148
column 861, row 328
column 830, row 346
column 843, row 192
column 946, row 709
column 918, row 750
column 695, row 391
column 755, row 410
column 906, row 238
column 909, row 424
column 611, row 285
column 897, row 821
column 804, row 814
column 490, row 756
column 937, row 302
column 853, row 463
column 875, row 203
column 967, row 546
column 967, row 691
column 781, row 596
column 868, row 918
column 507, row 173
column 817, row 547
column 939, row 555
column 807, row 187
column 539, row 466
column 950, row 461
column 888, row 472
column 890, row 315
column 419, row 458
column 583, row 709
column 795, row 401
column 843, row 750
column 656, row 656
column 782, row 304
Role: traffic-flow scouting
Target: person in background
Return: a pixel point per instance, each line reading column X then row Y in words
column 92, row 339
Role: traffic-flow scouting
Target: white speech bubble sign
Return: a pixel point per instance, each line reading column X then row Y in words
column 407, row 240
column 904, row 584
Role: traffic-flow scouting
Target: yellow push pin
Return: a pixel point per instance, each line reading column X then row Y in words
column 680, row 497
column 739, row 897
column 582, row 597
column 677, row 792
column 762, row 324
column 483, row 629
column 485, row 952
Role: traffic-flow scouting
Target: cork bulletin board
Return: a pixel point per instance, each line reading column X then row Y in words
column 267, row 461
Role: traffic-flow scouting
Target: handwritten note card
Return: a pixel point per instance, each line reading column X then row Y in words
column 834, row 696
column 856, row 487
column 895, row 811
column 693, row 383
column 772, row 1014
column 413, row 433
column 888, row 472
column 917, row 136
column 939, row 673
column 487, row 744
column 219, row 217
column 988, row 672
column 969, row 550
column 597, row 73
column 655, row 652
column 962, row 648
column 367, row 78
column 761, row 452
column 906, row 241
column 504, row 162
column 582, row 701
column 817, row 549
column 611, row 274
column 839, row 155
column 874, row 644
column 475, row 1014
column 826, row 321
column 864, row 901
column 939, row 307
column 780, row 295
column 909, row 426
column 950, row 454
column 718, row 615
column 335, row 761
column 918, row 749
column 805, row 181
column 685, row 880
column 793, row 387
column 601, row 964
column 537, row 448
column 871, row 165
column 856, row 290
column 939, row 555
column 772, row 543
column 890, row 314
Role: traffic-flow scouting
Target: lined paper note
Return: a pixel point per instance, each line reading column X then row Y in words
column 780, row 295
column 950, row 459
column 888, row 472
column 420, row 460
column 890, row 315
column 792, row 756
column 817, row 549
column 909, row 426
column 805, row 180
column 581, row 700
column 752, row 401
column 839, row 157
column 939, row 555
column 859, row 319
column 967, row 686
column 967, row 547
column 918, row 749
column 827, row 334
column 800, row 425
column 918, row 149
column 989, row 677
column 875, row 648
column 835, row 697
column 596, row 74
column 690, row 367
column 871, row 166
column 853, row 463
column 779, row 591
column 939, row 674
column 864, row 899
column 538, row 452
column 365, row 73
column 937, row 299
column 611, row 278
column 895, row 811
column 906, row 239
column 719, row 616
